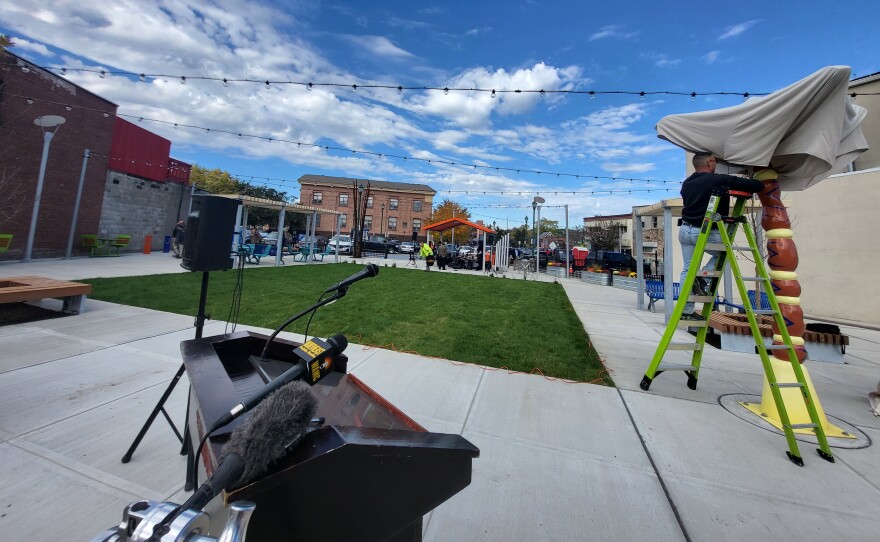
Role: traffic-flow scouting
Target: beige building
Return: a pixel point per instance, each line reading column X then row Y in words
column 394, row 210
column 836, row 229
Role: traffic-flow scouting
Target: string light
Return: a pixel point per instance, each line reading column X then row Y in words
column 362, row 152
column 102, row 74
column 309, row 85
column 182, row 80
column 143, row 78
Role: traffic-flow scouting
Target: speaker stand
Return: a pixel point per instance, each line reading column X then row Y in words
column 186, row 445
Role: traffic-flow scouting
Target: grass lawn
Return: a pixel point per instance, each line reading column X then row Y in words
column 523, row 326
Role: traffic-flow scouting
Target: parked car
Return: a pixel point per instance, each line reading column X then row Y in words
column 407, row 247
column 344, row 244
column 614, row 261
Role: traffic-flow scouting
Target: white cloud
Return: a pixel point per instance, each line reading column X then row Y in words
column 632, row 167
column 711, row 56
column 32, row 46
column 612, row 31
column 661, row 60
column 379, row 46
column 737, row 29
column 473, row 110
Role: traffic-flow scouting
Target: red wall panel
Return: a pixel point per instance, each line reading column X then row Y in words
column 139, row 152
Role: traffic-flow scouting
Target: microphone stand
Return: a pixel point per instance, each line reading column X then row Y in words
column 340, row 293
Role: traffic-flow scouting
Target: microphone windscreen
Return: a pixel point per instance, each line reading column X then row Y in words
column 274, row 425
column 338, row 342
column 374, row 269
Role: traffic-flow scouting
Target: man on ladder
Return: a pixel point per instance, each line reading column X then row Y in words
column 695, row 193
column 711, row 192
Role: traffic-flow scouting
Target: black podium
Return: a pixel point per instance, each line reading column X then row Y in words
column 369, row 473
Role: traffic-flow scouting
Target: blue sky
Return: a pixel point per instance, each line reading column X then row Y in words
column 681, row 46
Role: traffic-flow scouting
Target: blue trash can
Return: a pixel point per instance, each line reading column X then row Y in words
column 166, row 247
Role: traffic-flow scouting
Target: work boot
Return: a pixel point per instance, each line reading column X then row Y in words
column 701, row 286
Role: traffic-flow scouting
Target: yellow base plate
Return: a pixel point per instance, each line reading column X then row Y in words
column 831, row 430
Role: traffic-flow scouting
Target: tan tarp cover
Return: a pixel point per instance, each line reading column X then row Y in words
column 806, row 131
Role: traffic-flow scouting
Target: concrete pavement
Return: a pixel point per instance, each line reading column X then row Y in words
column 558, row 461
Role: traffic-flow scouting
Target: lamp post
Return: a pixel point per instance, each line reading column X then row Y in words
column 49, row 125
column 357, row 222
column 382, row 222
column 537, row 203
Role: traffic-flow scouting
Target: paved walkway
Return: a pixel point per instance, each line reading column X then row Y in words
column 558, row 461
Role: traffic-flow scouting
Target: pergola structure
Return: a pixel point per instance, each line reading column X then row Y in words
column 283, row 207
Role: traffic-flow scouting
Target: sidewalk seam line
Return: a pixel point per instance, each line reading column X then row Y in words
column 654, row 466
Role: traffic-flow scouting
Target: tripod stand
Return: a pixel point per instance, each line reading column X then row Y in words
column 412, row 259
column 186, row 447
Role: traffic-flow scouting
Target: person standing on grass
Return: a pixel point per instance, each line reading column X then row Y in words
column 428, row 254
column 441, row 257
column 695, row 193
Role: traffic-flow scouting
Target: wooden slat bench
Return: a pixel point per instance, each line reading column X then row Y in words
column 18, row 289
column 736, row 335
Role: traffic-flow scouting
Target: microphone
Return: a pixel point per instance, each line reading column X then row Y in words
column 311, row 354
column 370, row 270
column 277, row 424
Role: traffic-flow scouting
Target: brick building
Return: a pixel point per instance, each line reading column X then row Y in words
column 28, row 92
column 394, row 210
column 131, row 185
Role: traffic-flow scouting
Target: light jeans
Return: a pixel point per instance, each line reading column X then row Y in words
column 687, row 236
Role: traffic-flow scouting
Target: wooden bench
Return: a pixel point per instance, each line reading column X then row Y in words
column 18, row 289
column 737, row 336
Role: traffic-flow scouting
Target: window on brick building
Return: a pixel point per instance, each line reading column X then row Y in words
column 417, row 205
column 417, row 224
column 343, row 200
column 317, row 198
column 392, row 204
column 368, row 222
column 392, row 223
column 369, row 202
column 317, row 220
column 343, row 220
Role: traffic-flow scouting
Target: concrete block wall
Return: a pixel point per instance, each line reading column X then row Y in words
column 138, row 207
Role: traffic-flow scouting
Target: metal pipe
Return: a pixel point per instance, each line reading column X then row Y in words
column 79, row 189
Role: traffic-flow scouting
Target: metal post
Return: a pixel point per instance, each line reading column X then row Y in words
column 338, row 232
column 279, row 241
column 640, row 257
column 79, row 189
column 668, row 279
column 49, row 122
column 538, row 242
column 567, row 245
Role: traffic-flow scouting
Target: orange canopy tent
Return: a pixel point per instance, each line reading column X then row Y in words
column 450, row 223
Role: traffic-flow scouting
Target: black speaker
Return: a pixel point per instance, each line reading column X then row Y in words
column 207, row 242
column 415, row 236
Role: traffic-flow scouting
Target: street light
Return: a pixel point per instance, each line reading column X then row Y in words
column 537, row 203
column 382, row 222
column 49, row 125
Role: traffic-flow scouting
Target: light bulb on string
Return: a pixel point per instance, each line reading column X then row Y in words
column 693, row 96
column 592, row 94
column 445, row 91
column 102, row 74
column 493, row 93
column 399, row 90
column 182, row 80
column 225, row 82
column 267, row 84
column 63, row 71
column 309, row 87
column 642, row 95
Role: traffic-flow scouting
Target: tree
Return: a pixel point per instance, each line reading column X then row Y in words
column 5, row 42
column 449, row 209
column 217, row 181
column 604, row 235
